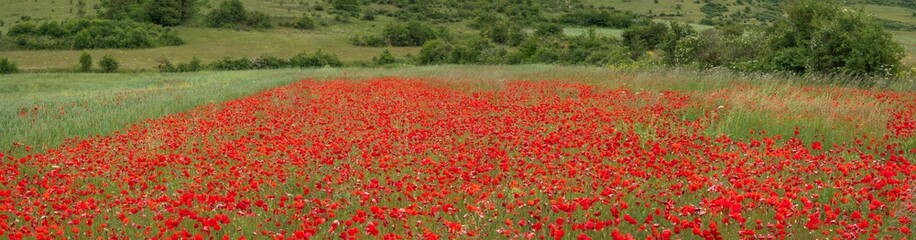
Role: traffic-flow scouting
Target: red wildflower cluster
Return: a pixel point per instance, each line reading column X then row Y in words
column 408, row 159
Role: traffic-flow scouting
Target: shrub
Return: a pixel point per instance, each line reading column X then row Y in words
column 160, row 12
column 85, row 62
column 821, row 36
column 193, row 66
column 644, row 37
column 305, row 22
column 165, row 65
column 413, row 33
column 368, row 41
column 549, row 29
column 91, row 34
column 385, row 58
column 599, row 18
column 7, row 66
column 232, row 14
column 230, row 64
column 318, row 59
column 434, row 52
column 108, row 64
column 269, row 62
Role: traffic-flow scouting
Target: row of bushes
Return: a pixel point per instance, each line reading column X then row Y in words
column 816, row 36
column 232, row 14
column 91, row 34
column 106, row 64
column 303, row 60
column 410, row 34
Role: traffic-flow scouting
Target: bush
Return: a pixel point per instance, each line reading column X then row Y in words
column 193, row 66
column 599, row 18
column 7, row 66
column 549, row 29
column 232, row 14
column 644, row 37
column 435, row 52
column 108, row 64
column 165, row 65
column 385, row 58
column 269, row 62
column 230, row 64
column 820, row 36
column 368, row 41
column 413, row 33
column 85, row 62
column 305, row 22
column 160, row 12
column 318, row 59
column 91, row 34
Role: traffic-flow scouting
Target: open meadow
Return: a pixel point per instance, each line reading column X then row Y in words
column 457, row 119
column 455, row 152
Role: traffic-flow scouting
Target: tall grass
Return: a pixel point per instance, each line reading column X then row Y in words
column 43, row 110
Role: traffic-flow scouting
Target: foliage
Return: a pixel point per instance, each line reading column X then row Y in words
column 7, row 66
column 160, row 12
column 91, row 34
column 85, row 62
column 165, row 65
column 317, row 59
column 231, row 64
column 349, row 7
column 548, row 30
column 413, row 33
column 385, row 58
column 644, row 37
column 108, row 64
column 305, row 22
column 821, row 36
column 599, row 18
column 232, row 14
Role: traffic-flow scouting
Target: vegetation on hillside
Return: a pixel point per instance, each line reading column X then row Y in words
column 90, row 34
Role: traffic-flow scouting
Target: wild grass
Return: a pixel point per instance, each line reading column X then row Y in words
column 43, row 110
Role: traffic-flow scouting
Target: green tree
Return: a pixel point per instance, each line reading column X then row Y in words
column 351, row 7
column 385, row 58
column 8, row 66
column 822, row 36
column 164, row 12
column 160, row 12
column 85, row 62
column 108, row 64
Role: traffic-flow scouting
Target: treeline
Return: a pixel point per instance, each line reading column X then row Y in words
column 90, row 34
column 815, row 36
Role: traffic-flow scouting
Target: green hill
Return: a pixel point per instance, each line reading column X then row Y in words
column 333, row 36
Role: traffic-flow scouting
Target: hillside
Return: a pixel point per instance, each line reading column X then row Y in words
column 333, row 34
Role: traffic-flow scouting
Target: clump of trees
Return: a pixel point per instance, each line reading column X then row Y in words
column 599, row 18
column 91, row 34
column 410, row 34
column 159, row 12
column 815, row 36
column 302, row 60
column 165, row 65
column 232, row 14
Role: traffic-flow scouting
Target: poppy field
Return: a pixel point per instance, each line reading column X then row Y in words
column 426, row 158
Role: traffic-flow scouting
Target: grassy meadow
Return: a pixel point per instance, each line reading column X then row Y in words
column 42, row 110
